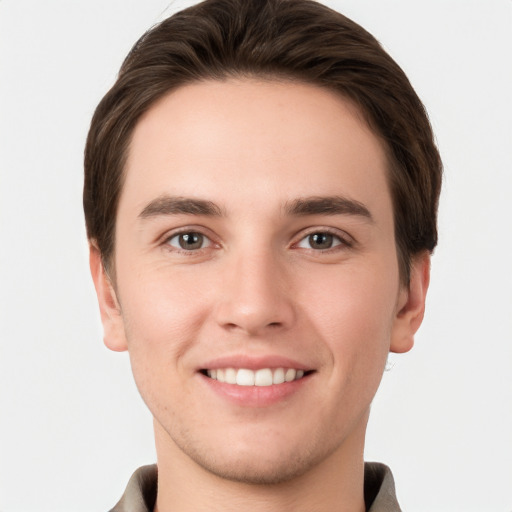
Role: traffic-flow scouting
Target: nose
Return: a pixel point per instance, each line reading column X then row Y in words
column 255, row 295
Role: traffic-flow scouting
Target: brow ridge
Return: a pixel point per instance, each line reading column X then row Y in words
column 327, row 205
column 175, row 205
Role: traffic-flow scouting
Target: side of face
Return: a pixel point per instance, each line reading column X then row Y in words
column 255, row 233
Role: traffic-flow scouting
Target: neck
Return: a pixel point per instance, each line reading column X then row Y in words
column 335, row 483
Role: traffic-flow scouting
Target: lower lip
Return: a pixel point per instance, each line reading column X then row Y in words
column 255, row 396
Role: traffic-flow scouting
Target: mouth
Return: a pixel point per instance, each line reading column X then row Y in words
column 260, row 377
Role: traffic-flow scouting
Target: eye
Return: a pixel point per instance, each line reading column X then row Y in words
column 189, row 241
column 320, row 240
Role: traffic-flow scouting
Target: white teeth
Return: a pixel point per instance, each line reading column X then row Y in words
column 261, row 377
column 290, row 375
column 278, row 376
column 245, row 377
column 230, row 375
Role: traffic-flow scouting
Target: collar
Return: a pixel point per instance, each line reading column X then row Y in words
column 379, row 490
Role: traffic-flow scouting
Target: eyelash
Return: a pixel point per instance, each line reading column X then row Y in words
column 339, row 242
column 176, row 248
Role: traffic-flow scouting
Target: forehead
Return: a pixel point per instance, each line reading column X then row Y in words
column 224, row 139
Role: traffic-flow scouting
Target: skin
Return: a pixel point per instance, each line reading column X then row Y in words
column 257, row 287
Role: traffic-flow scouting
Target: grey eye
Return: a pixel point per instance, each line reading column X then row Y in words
column 319, row 241
column 188, row 241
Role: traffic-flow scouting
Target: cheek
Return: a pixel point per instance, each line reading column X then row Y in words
column 162, row 319
column 355, row 312
column 352, row 320
column 162, row 314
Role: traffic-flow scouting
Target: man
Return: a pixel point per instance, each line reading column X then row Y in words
column 261, row 189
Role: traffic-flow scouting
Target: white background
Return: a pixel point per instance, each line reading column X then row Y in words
column 72, row 426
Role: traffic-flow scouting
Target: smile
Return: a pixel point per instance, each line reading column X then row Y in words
column 261, row 377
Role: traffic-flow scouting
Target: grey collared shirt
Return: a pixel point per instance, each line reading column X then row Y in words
column 379, row 490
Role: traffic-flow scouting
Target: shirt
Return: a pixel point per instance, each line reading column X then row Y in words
column 379, row 490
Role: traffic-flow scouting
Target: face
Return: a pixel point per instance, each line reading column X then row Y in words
column 257, row 286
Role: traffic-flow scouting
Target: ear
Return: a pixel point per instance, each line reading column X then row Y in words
column 411, row 305
column 111, row 318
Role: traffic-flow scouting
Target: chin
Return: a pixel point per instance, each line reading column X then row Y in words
column 257, row 470
column 257, row 460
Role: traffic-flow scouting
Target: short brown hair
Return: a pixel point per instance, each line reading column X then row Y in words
column 299, row 40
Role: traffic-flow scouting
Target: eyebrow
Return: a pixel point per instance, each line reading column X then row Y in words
column 174, row 205
column 329, row 205
column 301, row 207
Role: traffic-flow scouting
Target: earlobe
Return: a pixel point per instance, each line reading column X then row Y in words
column 111, row 318
column 411, row 305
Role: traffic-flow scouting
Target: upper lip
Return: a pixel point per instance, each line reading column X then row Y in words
column 254, row 362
